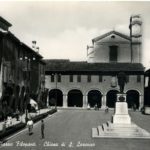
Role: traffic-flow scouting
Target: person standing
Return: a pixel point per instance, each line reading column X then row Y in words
column 30, row 126
column 106, row 109
column 42, row 128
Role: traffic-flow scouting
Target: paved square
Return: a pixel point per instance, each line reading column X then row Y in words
column 71, row 129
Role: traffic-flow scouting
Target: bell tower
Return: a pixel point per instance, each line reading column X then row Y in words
column 136, row 38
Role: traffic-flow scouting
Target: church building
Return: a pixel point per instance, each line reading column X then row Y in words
column 94, row 82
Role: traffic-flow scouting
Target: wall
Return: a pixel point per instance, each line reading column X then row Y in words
column 65, row 86
column 137, row 53
column 101, row 49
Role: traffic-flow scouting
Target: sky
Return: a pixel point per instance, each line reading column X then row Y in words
column 63, row 29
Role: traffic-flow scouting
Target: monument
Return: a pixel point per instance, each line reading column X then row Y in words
column 121, row 115
column 120, row 125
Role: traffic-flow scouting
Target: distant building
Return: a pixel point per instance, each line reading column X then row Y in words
column 147, row 88
column 22, row 72
column 94, row 82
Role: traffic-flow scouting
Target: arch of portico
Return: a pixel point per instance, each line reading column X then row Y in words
column 55, row 97
column 94, row 97
column 111, row 98
column 75, row 98
column 104, row 96
column 134, row 98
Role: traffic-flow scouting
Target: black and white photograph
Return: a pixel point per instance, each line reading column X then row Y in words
column 74, row 75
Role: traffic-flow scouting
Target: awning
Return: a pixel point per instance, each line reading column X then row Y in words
column 34, row 104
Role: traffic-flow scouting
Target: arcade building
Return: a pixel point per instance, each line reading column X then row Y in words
column 94, row 82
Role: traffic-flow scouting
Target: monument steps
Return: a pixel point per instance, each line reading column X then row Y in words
column 104, row 127
column 111, row 130
column 120, row 126
column 95, row 132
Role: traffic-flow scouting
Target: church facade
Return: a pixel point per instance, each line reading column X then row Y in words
column 94, row 82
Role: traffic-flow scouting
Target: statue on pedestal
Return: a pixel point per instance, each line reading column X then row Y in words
column 121, row 81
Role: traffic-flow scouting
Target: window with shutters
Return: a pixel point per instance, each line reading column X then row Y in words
column 71, row 78
column 58, row 78
column 79, row 78
column 138, row 78
column 89, row 78
column 127, row 78
column 113, row 53
column 100, row 78
column 52, row 78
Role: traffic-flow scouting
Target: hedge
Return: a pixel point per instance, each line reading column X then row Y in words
column 13, row 129
column 52, row 111
column 44, row 115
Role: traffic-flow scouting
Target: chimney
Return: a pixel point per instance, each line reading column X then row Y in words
column 4, row 24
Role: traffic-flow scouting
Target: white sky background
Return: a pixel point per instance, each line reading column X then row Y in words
column 64, row 29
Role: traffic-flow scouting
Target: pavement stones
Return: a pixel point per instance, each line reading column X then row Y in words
column 71, row 129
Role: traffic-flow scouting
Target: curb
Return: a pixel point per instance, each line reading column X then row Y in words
column 20, row 126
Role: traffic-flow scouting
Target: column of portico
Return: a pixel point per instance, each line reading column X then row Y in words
column 103, row 101
column 65, row 100
column 141, row 101
column 85, row 99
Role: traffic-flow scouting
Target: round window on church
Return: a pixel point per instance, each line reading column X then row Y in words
column 112, row 36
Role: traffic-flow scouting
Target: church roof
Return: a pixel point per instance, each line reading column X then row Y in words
column 83, row 66
column 109, row 33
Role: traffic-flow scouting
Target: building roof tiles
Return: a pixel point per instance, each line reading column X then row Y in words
column 83, row 66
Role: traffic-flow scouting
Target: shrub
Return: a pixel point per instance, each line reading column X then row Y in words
column 44, row 115
column 12, row 129
column 52, row 111
column 39, row 117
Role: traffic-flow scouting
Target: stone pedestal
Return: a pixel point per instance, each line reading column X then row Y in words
column 121, row 115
